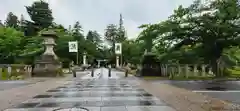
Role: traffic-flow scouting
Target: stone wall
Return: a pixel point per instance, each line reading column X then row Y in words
column 187, row 70
column 7, row 71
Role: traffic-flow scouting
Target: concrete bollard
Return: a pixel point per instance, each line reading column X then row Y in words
column 109, row 72
column 92, row 73
column 126, row 73
column 74, row 73
column 1, row 73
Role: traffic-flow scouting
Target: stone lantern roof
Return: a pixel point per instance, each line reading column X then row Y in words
column 49, row 33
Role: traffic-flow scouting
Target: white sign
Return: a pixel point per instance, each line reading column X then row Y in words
column 73, row 46
column 118, row 48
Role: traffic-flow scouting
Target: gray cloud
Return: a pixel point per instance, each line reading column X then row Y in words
column 96, row 14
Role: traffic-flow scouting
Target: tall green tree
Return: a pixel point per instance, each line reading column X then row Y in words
column 132, row 51
column 208, row 28
column 111, row 34
column 77, row 33
column 40, row 14
column 22, row 23
column 62, row 49
column 149, row 33
column 93, row 37
column 10, row 40
column 121, row 31
column 11, row 20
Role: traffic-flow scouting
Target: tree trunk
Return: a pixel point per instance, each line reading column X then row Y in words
column 149, row 44
column 217, row 52
column 214, row 66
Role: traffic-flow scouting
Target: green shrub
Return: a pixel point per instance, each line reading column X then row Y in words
column 13, row 78
column 60, row 72
column 4, row 74
column 19, row 77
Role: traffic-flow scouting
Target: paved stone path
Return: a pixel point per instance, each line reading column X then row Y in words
column 99, row 93
column 9, row 84
column 224, row 90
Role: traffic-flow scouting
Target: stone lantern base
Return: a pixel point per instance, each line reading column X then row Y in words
column 46, row 66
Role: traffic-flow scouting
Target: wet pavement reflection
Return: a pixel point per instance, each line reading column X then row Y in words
column 96, row 94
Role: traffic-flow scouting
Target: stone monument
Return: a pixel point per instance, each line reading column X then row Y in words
column 47, row 65
column 150, row 65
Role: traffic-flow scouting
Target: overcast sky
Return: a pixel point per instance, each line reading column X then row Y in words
column 96, row 14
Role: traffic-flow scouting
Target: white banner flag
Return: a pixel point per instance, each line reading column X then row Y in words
column 118, row 48
column 73, row 46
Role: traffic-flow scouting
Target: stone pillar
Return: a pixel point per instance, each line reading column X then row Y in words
column 0, row 73
column 195, row 71
column 172, row 73
column 179, row 70
column 203, row 70
column 98, row 63
column 9, row 70
column 117, row 61
column 166, row 70
column 186, row 70
column 162, row 70
column 210, row 71
column 84, row 59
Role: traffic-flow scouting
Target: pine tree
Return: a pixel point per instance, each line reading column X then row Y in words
column 40, row 14
column 121, row 30
column 12, row 20
column 22, row 23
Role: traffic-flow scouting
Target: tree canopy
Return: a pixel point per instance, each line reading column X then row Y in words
column 202, row 33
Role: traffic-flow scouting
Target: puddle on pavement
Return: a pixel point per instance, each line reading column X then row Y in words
column 147, row 94
column 217, row 88
column 43, row 96
column 49, row 105
column 72, row 109
column 27, row 105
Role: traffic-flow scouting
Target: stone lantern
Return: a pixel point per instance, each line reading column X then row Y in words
column 47, row 65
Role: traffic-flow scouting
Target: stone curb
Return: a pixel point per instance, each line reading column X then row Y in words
column 185, row 100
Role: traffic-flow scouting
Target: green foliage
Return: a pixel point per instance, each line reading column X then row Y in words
column 149, row 33
column 111, row 34
column 61, row 48
column 12, row 20
column 60, row 72
column 209, row 29
column 132, row 51
column 40, row 14
column 4, row 74
column 10, row 41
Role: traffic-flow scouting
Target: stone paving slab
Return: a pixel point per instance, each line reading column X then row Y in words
column 116, row 108
column 9, row 84
column 97, row 95
column 23, row 93
column 17, row 95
